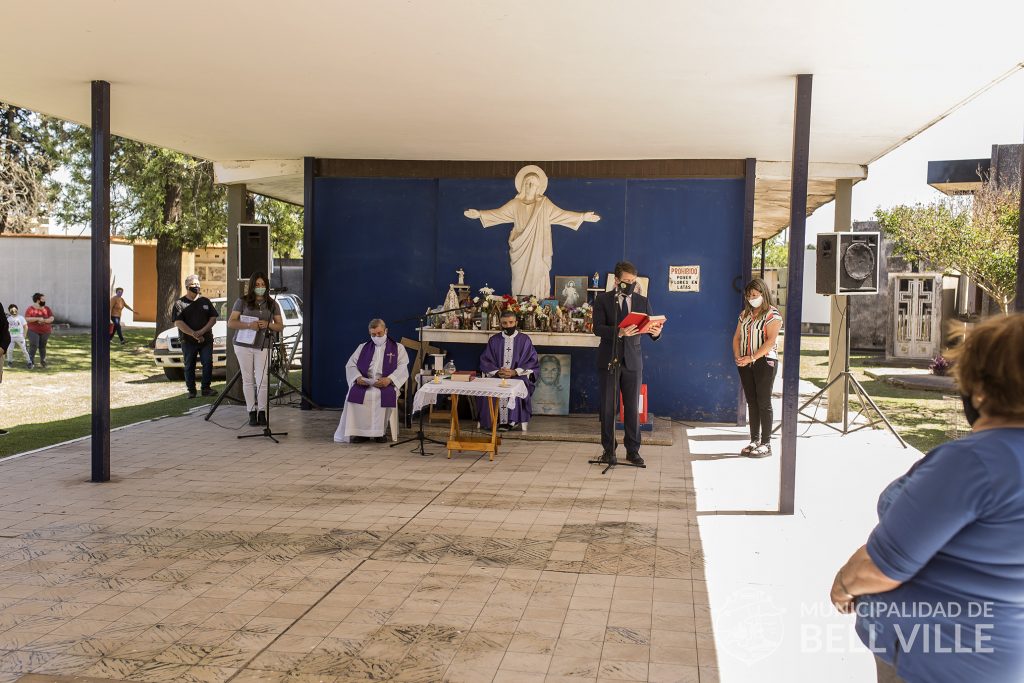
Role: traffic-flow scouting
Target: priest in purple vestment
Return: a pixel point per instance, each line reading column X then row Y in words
column 510, row 355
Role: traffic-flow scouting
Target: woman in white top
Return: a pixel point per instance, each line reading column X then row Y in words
column 757, row 360
column 261, row 314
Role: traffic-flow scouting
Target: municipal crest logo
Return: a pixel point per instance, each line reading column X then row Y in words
column 750, row 626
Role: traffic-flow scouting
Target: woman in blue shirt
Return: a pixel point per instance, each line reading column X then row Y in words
column 938, row 589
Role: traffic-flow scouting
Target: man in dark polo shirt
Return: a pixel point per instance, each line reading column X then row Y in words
column 194, row 317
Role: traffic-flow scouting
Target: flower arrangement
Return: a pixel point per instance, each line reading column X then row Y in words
column 584, row 310
column 509, row 303
column 486, row 291
column 530, row 305
column 489, row 302
column 940, row 366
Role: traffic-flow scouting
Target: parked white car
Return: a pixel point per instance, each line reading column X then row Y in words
column 167, row 352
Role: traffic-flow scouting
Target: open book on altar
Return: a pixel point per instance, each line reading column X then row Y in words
column 643, row 322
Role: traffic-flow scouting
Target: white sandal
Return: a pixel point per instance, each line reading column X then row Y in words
column 762, row 451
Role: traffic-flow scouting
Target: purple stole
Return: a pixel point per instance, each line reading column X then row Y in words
column 388, row 395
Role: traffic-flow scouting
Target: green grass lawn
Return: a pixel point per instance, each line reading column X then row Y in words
column 923, row 418
column 47, row 406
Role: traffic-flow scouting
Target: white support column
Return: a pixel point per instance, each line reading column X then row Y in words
column 838, row 309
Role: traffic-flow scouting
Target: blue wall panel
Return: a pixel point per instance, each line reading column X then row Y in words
column 390, row 247
column 374, row 257
column 690, row 223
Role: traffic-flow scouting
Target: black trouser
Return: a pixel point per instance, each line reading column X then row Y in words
column 757, row 380
column 37, row 340
column 205, row 354
column 629, row 389
column 115, row 320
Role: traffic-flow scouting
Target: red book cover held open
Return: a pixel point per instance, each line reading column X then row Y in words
column 642, row 321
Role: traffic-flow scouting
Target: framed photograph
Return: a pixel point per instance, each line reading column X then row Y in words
column 551, row 395
column 571, row 291
column 643, row 284
column 548, row 304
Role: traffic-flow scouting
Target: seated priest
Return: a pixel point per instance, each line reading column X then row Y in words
column 376, row 372
column 510, row 355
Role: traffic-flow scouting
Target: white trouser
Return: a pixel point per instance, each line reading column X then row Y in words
column 252, row 363
column 17, row 344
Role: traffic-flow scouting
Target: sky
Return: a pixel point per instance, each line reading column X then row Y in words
column 900, row 177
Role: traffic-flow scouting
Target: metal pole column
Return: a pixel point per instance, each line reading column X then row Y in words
column 236, row 215
column 100, row 281
column 794, row 291
column 839, row 309
column 309, row 198
column 747, row 260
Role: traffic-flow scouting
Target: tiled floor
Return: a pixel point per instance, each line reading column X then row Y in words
column 211, row 559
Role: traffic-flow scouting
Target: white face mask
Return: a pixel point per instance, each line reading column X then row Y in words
column 756, row 302
column 379, row 341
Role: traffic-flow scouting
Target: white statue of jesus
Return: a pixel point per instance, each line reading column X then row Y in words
column 529, row 244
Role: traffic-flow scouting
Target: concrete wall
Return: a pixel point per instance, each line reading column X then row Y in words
column 122, row 274
column 869, row 314
column 59, row 267
column 815, row 314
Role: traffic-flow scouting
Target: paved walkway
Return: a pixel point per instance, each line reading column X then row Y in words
column 212, row 559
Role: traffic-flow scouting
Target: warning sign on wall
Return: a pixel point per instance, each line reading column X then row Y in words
column 684, row 278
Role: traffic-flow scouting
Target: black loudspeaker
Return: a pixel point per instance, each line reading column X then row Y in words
column 847, row 263
column 253, row 250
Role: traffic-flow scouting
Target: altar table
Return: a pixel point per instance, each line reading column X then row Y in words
column 488, row 387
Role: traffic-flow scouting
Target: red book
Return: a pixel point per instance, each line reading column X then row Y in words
column 642, row 321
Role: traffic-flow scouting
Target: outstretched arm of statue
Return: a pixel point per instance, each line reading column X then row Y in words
column 571, row 219
column 489, row 217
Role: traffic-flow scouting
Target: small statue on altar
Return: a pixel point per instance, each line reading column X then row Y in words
column 462, row 276
column 595, row 281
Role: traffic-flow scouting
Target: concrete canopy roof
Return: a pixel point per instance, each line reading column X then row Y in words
column 450, row 79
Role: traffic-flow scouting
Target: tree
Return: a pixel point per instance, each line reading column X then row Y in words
column 24, row 166
column 156, row 194
column 976, row 238
column 285, row 221
column 776, row 253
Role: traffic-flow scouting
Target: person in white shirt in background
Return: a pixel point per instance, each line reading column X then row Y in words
column 376, row 372
column 16, row 323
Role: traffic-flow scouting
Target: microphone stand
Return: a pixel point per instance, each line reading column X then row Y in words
column 268, row 345
column 419, row 435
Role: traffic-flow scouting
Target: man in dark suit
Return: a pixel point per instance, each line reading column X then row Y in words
column 620, row 348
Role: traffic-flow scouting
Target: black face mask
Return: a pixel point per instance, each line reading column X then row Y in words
column 970, row 412
column 194, row 290
column 626, row 288
column 509, row 330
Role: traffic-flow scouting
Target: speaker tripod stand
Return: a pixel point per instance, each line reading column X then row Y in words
column 849, row 381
